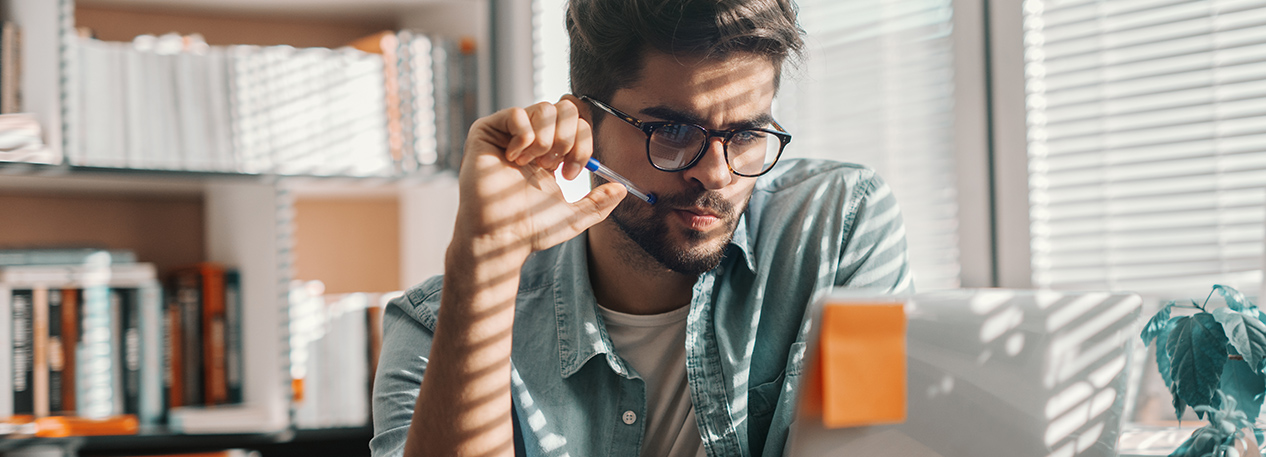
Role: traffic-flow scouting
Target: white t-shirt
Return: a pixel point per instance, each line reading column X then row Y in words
column 655, row 346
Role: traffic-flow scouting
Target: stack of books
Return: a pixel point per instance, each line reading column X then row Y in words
column 334, row 345
column 88, row 333
column 81, row 327
column 175, row 103
column 21, row 139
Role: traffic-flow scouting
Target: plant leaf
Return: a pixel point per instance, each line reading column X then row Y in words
column 1204, row 441
column 1162, row 355
column 1246, row 334
column 1234, row 299
column 1157, row 323
column 1197, row 352
column 1180, row 407
column 1244, row 386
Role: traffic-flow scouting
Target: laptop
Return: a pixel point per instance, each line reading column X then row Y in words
column 992, row 373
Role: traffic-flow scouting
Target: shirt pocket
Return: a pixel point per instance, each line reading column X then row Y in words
column 764, row 398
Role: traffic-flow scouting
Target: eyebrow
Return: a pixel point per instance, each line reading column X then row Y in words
column 668, row 114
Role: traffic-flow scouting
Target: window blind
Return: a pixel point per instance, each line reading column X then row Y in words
column 1147, row 143
column 877, row 89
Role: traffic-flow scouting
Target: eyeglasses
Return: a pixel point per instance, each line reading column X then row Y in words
column 677, row 146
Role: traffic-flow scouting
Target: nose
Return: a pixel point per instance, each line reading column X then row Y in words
column 711, row 171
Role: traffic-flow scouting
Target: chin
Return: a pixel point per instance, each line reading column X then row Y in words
column 673, row 245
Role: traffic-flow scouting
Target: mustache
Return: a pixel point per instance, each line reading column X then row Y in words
column 710, row 200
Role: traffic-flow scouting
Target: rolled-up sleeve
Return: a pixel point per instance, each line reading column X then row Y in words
column 406, row 348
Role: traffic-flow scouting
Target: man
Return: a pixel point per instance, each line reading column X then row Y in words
column 616, row 327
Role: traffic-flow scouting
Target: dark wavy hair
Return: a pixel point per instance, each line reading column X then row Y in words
column 609, row 38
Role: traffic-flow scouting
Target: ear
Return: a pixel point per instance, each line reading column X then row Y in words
column 582, row 106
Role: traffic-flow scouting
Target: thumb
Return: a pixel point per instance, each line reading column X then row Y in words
column 597, row 205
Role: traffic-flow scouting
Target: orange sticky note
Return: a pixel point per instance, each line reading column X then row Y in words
column 863, row 364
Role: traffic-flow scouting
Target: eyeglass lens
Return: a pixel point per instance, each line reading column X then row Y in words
column 749, row 152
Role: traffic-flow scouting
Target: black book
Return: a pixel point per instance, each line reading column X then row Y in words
column 56, row 352
column 130, row 355
column 188, row 289
column 233, row 332
column 23, row 352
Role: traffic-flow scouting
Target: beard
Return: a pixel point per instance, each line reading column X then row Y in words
column 648, row 227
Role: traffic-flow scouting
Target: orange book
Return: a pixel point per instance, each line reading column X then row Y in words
column 385, row 44
column 374, row 313
column 70, row 340
column 210, row 281
column 40, row 339
column 214, row 337
column 64, row 426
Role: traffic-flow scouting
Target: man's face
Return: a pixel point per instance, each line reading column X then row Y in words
column 697, row 209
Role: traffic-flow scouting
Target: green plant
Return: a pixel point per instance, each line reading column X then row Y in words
column 1212, row 361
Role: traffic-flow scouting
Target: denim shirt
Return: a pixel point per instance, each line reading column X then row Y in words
column 810, row 226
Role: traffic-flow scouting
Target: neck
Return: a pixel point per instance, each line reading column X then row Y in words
column 628, row 280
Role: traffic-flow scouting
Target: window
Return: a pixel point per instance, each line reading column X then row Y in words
column 1146, row 143
column 877, row 89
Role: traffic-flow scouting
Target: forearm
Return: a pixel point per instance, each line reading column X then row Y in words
column 464, row 404
column 509, row 206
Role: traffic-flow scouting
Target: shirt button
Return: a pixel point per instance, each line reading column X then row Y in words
column 629, row 417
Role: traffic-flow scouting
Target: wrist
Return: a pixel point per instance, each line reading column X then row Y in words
column 470, row 250
column 476, row 266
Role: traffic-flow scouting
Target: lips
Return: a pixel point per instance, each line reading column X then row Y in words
column 697, row 218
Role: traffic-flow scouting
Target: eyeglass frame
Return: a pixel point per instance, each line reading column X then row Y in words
column 650, row 127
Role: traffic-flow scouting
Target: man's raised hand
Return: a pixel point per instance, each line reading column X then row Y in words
column 510, row 203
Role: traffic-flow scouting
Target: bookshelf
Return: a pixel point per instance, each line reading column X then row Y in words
column 356, row 234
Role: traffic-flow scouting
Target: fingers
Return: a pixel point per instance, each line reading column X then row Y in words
column 597, row 205
column 580, row 152
column 516, row 124
column 544, row 119
column 566, row 134
column 549, row 135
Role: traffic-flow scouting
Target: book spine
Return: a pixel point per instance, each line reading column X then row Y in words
column 151, row 346
column 70, row 340
column 189, row 296
column 173, row 354
column 56, row 353
column 215, row 383
column 23, row 371
column 117, row 298
column 233, row 330
column 6, row 349
column 39, row 353
column 9, row 74
column 373, row 315
column 94, row 385
column 129, row 357
column 442, row 90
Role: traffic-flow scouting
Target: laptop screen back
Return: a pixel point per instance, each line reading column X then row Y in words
column 996, row 373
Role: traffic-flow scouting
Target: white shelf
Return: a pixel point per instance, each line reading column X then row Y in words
column 18, row 178
column 67, row 180
column 342, row 10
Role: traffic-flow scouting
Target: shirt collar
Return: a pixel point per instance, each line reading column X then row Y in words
column 742, row 241
column 581, row 334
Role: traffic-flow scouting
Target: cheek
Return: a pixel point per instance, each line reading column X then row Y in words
column 744, row 196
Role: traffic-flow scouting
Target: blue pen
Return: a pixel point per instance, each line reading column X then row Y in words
column 603, row 171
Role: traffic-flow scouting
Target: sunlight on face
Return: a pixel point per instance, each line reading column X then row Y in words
column 698, row 208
